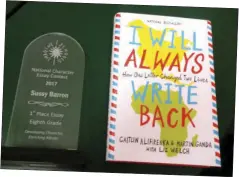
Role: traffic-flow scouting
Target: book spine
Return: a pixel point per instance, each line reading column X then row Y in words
column 113, row 90
column 214, row 99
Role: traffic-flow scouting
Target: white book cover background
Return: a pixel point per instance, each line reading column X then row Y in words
column 162, row 104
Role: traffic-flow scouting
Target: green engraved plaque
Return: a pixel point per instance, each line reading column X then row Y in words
column 47, row 107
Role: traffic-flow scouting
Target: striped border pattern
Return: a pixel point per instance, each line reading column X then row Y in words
column 114, row 89
column 214, row 100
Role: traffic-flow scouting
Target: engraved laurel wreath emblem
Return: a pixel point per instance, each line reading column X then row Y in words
column 55, row 52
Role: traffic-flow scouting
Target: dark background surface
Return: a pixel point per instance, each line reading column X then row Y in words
column 91, row 25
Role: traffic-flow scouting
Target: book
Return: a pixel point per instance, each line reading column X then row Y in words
column 162, row 101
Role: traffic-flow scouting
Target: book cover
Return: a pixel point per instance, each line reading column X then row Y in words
column 162, row 103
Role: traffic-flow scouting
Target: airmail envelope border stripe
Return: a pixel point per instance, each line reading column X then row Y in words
column 214, row 100
column 114, row 88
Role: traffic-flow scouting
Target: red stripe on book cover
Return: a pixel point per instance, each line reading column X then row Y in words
column 116, row 63
column 215, row 125
column 213, row 84
column 216, row 140
column 113, row 105
column 116, row 49
column 210, row 45
column 214, row 111
column 214, row 98
column 212, row 70
column 115, row 77
column 112, row 148
column 210, row 56
column 217, row 154
column 112, row 119
column 117, row 26
column 112, row 133
column 114, row 91
column 117, row 37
